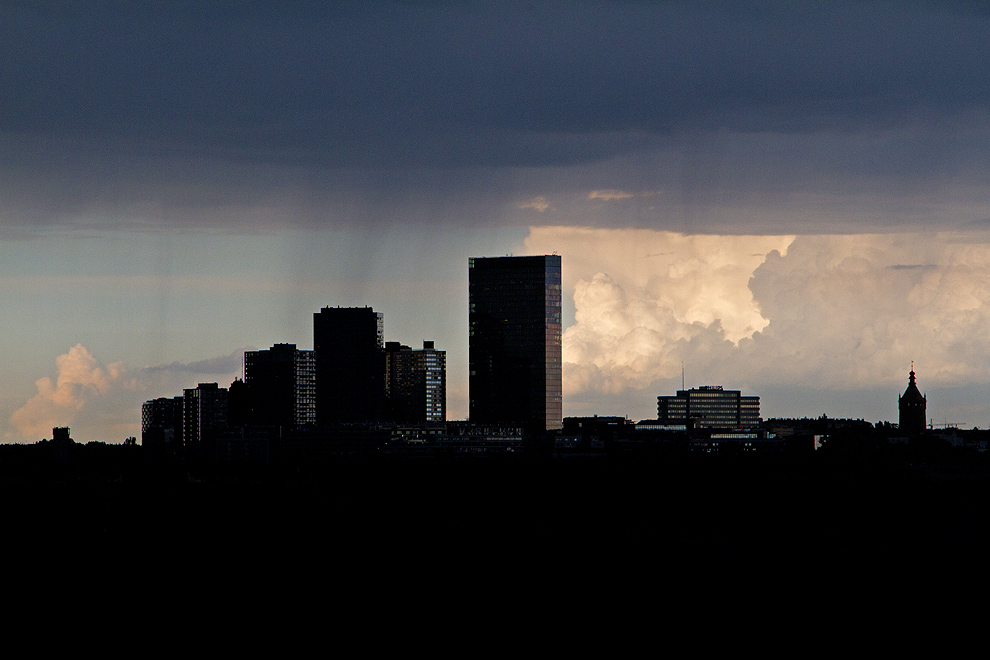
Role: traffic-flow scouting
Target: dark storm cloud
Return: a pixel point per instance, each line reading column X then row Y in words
column 130, row 100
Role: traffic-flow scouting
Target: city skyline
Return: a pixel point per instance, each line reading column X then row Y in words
column 790, row 200
column 79, row 353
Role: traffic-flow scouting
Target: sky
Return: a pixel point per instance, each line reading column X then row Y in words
column 787, row 198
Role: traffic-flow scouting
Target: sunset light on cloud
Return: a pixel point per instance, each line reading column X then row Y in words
column 845, row 311
column 80, row 379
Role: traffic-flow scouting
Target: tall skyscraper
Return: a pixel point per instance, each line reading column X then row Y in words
column 415, row 383
column 350, row 365
column 281, row 386
column 514, row 343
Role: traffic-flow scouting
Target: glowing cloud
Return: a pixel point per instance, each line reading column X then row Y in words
column 825, row 312
column 80, row 379
column 853, row 310
column 104, row 402
column 656, row 291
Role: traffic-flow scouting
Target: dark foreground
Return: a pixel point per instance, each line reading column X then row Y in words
column 555, row 533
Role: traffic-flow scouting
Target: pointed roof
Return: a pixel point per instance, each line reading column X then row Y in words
column 912, row 394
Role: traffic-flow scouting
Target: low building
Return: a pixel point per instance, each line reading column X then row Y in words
column 709, row 406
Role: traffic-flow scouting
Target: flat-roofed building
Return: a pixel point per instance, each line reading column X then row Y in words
column 415, row 383
column 281, row 386
column 709, row 406
column 161, row 422
column 350, row 365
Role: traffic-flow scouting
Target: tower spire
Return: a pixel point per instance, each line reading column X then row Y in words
column 912, row 405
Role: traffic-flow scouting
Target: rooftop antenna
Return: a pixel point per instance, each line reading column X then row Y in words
column 682, row 375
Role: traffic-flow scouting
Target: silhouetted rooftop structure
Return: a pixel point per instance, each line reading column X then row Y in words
column 912, row 407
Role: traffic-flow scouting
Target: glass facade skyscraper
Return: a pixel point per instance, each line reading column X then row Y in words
column 514, row 342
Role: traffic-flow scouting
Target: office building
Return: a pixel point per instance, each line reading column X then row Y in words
column 912, row 407
column 708, row 406
column 350, row 365
column 415, row 383
column 514, row 342
column 280, row 386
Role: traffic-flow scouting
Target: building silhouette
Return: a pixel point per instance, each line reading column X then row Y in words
column 350, row 365
column 709, row 406
column 204, row 417
column 280, row 386
column 415, row 383
column 161, row 422
column 912, row 406
column 514, row 342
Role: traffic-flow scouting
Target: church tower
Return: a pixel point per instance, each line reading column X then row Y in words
column 912, row 405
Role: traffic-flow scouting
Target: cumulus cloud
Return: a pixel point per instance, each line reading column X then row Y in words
column 103, row 402
column 80, row 379
column 841, row 310
column 657, row 292
column 698, row 278
column 820, row 313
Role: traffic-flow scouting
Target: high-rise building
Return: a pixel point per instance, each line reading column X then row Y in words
column 204, row 416
column 415, row 383
column 350, row 365
column 514, row 343
column 912, row 407
column 709, row 406
column 161, row 422
column 280, row 386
